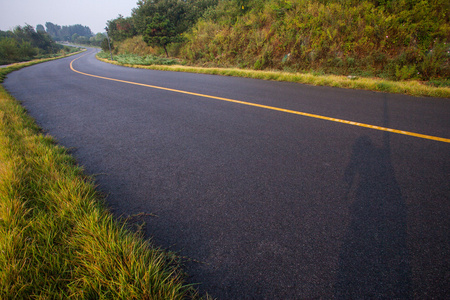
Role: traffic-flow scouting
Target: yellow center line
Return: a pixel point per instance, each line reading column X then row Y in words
column 424, row 136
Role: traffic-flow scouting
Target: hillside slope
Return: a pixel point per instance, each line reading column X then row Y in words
column 392, row 39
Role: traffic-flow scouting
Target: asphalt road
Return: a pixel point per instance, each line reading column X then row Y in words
column 263, row 204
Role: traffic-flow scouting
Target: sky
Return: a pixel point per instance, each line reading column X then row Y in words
column 91, row 13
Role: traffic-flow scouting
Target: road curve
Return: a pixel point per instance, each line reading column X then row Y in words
column 264, row 204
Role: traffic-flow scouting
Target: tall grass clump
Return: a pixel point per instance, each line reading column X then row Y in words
column 57, row 240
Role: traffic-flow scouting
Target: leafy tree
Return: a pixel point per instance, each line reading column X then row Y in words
column 160, row 22
column 182, row 14
column 121, row 28
column 160, row 32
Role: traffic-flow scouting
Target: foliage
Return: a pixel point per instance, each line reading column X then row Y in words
column 159, row 22
column 181, row 14
column 39, row 27
column 24, row 43
column 401, row 39
column 66, row 33
column 135, row 45
column 121, row 28
column 392, row 39
column 160, row 32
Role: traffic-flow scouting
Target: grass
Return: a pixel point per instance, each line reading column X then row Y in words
column 57, row 239
column 145, row 60
column 411, row 87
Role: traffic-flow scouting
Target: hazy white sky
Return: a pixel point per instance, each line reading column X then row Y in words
column 92, row 13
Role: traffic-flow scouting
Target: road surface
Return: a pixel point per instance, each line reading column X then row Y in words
column 262, row 203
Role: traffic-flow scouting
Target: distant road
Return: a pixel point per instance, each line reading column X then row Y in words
column 263, row 204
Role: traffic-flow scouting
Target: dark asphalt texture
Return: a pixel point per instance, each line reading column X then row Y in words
column 263, row 204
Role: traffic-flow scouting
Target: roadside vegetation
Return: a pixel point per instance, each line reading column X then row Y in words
column 411, row 87
column 24, row 44
column 145, row 60
column 57, row 239
column 401, row 41
column 77, row 34
column 396, row 40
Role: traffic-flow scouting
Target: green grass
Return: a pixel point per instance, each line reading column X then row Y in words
column 57, row 239
column 410, row 87
column 145, row 60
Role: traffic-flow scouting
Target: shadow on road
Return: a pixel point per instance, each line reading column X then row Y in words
column 374, row 259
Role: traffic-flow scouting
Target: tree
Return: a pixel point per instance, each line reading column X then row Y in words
column 176, row 11
column 160, row 32
column 121, row 28
column 40, row 28
column 53, row 30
